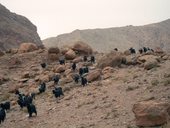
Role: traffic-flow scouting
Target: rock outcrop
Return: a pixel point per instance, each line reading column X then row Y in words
column 112, row 59
column 16, row 29
column 27, row 47
column 82, row 48
column 151, row 113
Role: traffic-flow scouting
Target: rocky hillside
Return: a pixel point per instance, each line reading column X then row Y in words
column 16, row 29
column 104, row 40
column 128, row 95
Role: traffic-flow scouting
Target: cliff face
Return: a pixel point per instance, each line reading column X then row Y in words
column 16, row 29
column 104, row 40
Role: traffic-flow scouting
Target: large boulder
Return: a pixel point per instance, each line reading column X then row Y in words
column 70, row 55
column 27, row 47
column 150, row 61
column 94, row 75
column 112, row 59
column 53, row 50
column 131, row 60
column 146, row 58
column 151, row 113
column 150, row 64
column 82, row 48
column 53, row 56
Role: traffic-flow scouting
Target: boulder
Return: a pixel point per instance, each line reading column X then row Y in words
column 43, row 78
column 27, row 47
column 112, row 59
column 25, row 75
column 151, row 113
column 131, row 60
column 67, row 79
column 68, row 72
column 82, row 48
column 127, row 53
column 150, row 64
column 53, row 50
column 165, row 57
column 94, row 75
column 49, row 73
column 77, row 59
column 70, row 55
column 59, row 69
column 107, row 70
column 145, row 58
column 106, row 76
column 1, row 53
column 53, row 56
column 64, row 50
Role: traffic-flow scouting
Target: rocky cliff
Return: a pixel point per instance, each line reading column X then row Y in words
column 16, row 29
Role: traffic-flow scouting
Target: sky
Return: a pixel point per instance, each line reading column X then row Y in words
column 55, row 17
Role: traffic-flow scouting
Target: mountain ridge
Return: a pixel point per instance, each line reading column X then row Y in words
column 151, row 35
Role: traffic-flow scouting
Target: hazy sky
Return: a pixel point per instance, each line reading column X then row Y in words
column 54, row 17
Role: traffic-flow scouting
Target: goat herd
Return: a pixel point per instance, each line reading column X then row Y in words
column 26, row 100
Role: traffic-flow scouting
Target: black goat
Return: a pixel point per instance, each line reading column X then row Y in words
column 81, row 71
column 58, row 92
column 62, row 61
column 2, row 115
column 84, row 58
column 92, row 59
column 42, row 87
column 33, row 95
column 115, row 49
column 21, row 103
column 31, row 109
column 43, row 65
column 56, row 79
column 85, row 70
column 20, row 95
column 140, row 50
column 145, row 49
column 132, row 51
column 76, row 78
column 6, row 105
column 24, row 101
column 73, row 66
column 83, row 81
